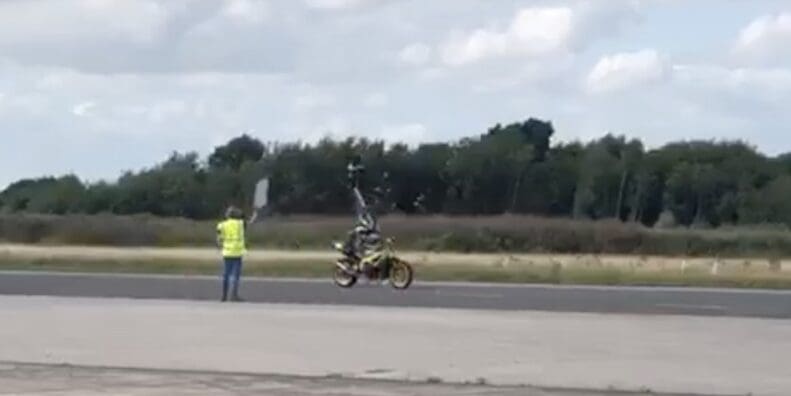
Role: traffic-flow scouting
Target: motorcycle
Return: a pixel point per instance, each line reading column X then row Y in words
column 380, row 264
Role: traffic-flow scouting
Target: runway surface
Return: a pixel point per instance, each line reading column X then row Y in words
column 542, row 350
column 595, row 299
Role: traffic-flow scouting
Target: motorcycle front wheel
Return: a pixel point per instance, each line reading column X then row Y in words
column 401, row 274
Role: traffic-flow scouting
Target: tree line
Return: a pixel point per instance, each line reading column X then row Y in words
column 512, row 168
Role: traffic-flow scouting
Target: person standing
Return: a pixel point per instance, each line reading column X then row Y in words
column 231, row 239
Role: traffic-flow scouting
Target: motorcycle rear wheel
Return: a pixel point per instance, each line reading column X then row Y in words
column 343, row 279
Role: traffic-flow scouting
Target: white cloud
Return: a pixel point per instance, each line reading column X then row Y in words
column 533, row 31
column 597, row 19
column 146, row 36
column 625, row 70
column 766, row 39
column 338, row 4
column 541, row 31
column 415, row 54
column 203, row 79
column 138, row 22
column 3, row 103
column 735, row 103
column 762, row 83
column 433, row 74
column 31, row 104
column 375, row 100
column 246, row 11
column 698, row 101
column 83, row 109
column 167, row 110
column 313, row 100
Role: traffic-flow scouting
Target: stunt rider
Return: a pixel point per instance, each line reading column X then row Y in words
column 364, row 238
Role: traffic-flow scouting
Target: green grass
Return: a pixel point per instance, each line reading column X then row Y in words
column 544, row 274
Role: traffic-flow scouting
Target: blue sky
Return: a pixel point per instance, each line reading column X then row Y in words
column 95, row 87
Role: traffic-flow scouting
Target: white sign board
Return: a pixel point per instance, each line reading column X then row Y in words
column 261, row 197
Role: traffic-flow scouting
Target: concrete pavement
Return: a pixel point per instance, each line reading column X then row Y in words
column 704, row 355
column 60, row 380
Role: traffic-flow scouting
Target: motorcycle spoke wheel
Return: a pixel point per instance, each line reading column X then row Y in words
column 343, row 279
column 401, row 274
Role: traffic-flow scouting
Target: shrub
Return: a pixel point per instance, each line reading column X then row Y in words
column 438, row 233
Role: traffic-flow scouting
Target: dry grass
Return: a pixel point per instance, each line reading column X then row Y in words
column 496, row 249
column 495, row 260
column 532, row 268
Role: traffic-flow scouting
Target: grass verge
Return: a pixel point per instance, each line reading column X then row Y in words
column 553, row 273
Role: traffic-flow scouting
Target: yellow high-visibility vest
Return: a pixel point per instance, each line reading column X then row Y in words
column 232, row 235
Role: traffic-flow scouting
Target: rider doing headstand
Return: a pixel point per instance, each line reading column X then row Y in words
column 365, row 237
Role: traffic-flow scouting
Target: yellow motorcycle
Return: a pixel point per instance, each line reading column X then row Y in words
column 379, row 264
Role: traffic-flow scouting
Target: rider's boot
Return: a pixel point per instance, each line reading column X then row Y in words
column 384, row 271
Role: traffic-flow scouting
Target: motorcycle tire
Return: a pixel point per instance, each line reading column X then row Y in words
column 343, row 279
column 401, row 274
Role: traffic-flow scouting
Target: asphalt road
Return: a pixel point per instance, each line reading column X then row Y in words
column 634, row 300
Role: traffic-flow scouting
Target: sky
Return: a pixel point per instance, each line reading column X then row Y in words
column 97, row 87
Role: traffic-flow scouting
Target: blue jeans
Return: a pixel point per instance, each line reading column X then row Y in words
column 231, row 274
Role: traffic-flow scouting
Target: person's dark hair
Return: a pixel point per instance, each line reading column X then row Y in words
column 233, row 213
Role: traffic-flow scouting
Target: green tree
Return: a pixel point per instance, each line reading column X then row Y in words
column 513, row 168
column 770, row 204
column 603, row 176
column 236, row 152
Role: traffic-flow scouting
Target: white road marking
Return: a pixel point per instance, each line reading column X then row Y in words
column 493, row 296
column 693, row 306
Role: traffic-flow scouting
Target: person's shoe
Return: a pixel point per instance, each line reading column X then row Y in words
column 223, row 299
column 237, row 299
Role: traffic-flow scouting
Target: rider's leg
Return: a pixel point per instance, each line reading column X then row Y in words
column 384, row 269
column 351, row 244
